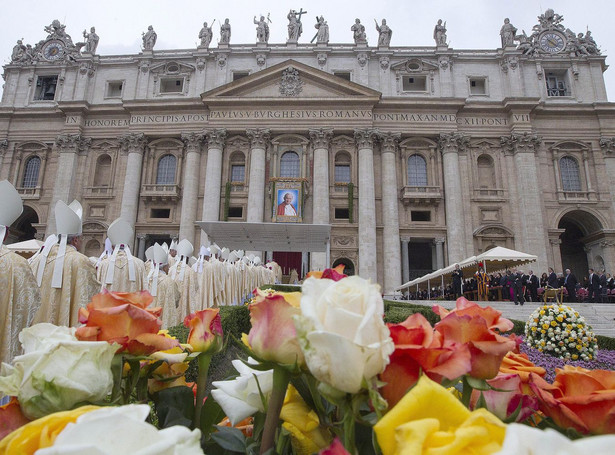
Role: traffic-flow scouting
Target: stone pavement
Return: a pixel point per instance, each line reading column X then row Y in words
column 601, row 316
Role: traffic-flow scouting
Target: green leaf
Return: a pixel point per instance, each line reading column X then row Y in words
column 211, row 414
column 230, row 438
column 478, row 384
column 175, row 406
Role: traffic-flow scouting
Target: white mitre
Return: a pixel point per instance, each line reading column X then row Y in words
column 120, row 234
column 68, row 222
column 11, row 206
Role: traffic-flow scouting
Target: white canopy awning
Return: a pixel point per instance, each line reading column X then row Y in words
column 268, row 236
column 27, row 246
column 498, row 258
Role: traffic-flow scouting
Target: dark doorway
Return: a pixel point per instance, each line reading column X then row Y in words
column 288, row 260
column 157, row 238
column 572, row 248
column 419, row 259
column 23, row 228
column 348, row 265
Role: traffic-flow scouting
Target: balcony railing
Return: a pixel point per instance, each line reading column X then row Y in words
column 98, row 192
column 577, row 196
column 425, row 195
column 156, row 192
column 488, row 193
column 30, row 193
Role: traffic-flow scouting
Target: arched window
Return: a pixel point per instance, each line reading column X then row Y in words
column 417, row 171
column 166, row 170
column 102, row 176
column 569, row 169
column 30, row 175
column 290, row 165
column 342, row 168
column 238, row 167
column 486, row 172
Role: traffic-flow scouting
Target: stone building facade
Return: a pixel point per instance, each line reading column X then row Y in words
column 417, row 157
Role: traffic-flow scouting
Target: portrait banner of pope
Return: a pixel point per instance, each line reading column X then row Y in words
column 287, row 204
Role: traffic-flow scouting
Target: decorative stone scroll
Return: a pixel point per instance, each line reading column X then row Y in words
column 133, row 143
column 453, row 142
column 519, row 143
column 192, row 141
column 259, row 137
column 72, row 143
column 365, row 138
column 321, row 137
column 216, row 138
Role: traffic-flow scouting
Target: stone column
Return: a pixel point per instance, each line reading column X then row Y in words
column 259, row 138
column 69, row 146
column 190, row 189
column 607, row 144
column 134, row 145
column 450, row 145
column 524, row 147
column 405, row 260
column 141, row 238
column 367, row 205
column 213, row 176
column 439, row 252
column 4, row 145
column 390, row 213
column 320, row 142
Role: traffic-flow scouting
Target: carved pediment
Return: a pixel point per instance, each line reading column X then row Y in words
column 172, row 68
column 292, row 81
column 415, row 65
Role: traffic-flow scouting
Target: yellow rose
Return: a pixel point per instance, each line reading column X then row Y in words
column 428, row 419
column 40, row 433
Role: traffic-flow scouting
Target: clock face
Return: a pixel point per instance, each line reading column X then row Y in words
column 53, row 50
column 552, row 42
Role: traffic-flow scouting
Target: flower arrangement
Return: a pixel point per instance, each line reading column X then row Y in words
column 560, row 331
column 324, row 374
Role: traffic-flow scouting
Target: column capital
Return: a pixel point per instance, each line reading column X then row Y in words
column 141, row 236
column 4, row 145
column 607, row 144
column 521, row 143
column 321, row 137
column 439, row 240
column 453, row 142
column 389, row 141
column 133, row 143
column 405, row 239
column 365, row 138
column 215, row 138
column 192, row 141
column 259, row 137
column 72, row 143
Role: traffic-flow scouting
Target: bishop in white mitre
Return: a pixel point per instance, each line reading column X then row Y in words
column 163, row 288
column 67, row 278
column 121, row 271
column 20, row 297
column 187, row 280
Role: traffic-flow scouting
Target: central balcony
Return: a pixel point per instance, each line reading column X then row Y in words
column 421, row 195
column 153, row 192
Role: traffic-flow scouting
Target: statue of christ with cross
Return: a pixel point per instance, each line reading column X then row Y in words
column 295, row 27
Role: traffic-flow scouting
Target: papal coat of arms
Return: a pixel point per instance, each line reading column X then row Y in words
column 291, row 84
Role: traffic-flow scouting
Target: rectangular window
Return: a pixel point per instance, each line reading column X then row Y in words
column 557, row 83
column 172, row 85
column 420, row 215
column 45, row 88
column 342, row 74
column 414, row 83
column 238, row 173
column 160, row 213
column 342, row 214
column 478, row 86
column 239, row 74
column 342, row 173
column 114, row 89
column 235, row 212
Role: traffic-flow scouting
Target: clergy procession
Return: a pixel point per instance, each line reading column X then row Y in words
column 54, row 284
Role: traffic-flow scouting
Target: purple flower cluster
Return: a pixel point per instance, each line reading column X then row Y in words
column 605, row 360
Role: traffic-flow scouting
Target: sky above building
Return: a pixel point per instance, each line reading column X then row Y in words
column 471, row 25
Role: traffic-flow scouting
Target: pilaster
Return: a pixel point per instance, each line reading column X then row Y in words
column 193, row 143
column 259, row 138
column 134, row 145
column 320, row 139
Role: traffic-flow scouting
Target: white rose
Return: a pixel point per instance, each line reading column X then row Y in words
column 123, row 431
column 342, row 333
column 57, row 371
column 525, row 440
column 240, row 398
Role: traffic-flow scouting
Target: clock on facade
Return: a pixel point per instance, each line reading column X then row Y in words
column 53, row 50
column 552, row 42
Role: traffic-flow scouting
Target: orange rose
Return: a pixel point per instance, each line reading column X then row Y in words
column 123, row 318
column 521, row 365
column 578, row 398
column 205, row 330
column 11, row 417
column 418, row 349
column 466, row 308
column 335, row 274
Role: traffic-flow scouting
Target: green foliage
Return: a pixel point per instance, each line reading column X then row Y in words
column 227, row 199
column 607, row 343
column 350, row 202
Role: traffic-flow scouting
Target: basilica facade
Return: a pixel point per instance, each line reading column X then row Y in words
column 413, row 158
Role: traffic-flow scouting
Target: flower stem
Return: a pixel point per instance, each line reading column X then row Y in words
column 348, row 426
column 201, row 384
column 466, row 393
column 281, row 377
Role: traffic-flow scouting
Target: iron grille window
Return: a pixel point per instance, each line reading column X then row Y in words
column 417, row 171
column 342, row 173
column 569, row 169
column 166, row 170
column 30, row 175
column 289, row 165
column 238, row 173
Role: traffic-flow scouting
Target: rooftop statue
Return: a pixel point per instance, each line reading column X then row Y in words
column 358, row 32
column 262, row 30
column 149, row 39
column 322, row 35
column 225, row 32
column 295, row 27
column 507, row 33
column 206, row 35
column 91, row 41
column 384, row 33
column 439, row 33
